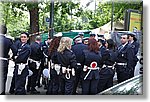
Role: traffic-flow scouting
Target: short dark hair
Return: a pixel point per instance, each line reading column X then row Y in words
column 134, row 38
column 3, row 29
column 26, row 33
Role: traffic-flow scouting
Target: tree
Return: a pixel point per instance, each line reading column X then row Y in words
column 34, row 17
column 15, row 19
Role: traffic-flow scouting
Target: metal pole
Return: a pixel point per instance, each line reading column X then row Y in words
column 95, row 9
column 51, row 23
column 112, row 14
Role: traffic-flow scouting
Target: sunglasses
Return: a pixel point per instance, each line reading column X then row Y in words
column 123, row 38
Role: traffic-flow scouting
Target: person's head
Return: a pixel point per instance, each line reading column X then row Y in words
column 131, row 37
column 124, row 38
column 38, row 38
column 85, row 40
column 81, row 35
column 110, row 44
column 3, row 29
column 65, row 43
column 24, row 37
column 78, row 40
column 101, row 42
column 92, row 36
column 54, row 44
column 93, row 45
column 49, row 39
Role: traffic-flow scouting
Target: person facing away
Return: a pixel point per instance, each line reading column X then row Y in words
column 92, row 64
column 107, row 72
column 68, row 62
column 78, row 50
column 5, row 44
column 34, row 64
column 54, row 82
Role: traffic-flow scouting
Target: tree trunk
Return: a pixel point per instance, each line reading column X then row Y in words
column 34, row 20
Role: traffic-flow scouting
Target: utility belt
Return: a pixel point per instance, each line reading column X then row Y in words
column 38, row 63
column 56, row 67
column 122, row 64
column 21, row 66
column 2, row 58
column 67, row 71
column 90, row 69
column 86, row 68
column 104, row 66
column 108, row 66
column 78, row 64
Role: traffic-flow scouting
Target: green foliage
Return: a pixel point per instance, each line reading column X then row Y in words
column 67, row 15
column 14, row 18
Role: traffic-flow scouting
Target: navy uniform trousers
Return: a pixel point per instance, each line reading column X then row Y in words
column 20, row 81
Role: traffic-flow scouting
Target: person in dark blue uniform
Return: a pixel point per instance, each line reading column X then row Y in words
column 6, row 44
column 78, row 50
column 81, row 35
column 85, row 40
column 17, row 44
column 68, row 62
column 92, row 63
column 102, row 47
column 125, row 60
column 34, row 63
column 135, row 46
column 44, row 62
column 92, row 36
column 54, row 83
column 21, row 65
column 107, row 72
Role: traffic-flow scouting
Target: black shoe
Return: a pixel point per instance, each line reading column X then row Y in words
column 3, row 93
column 45, row 87
column 11, row 91
column 28, row 89
column 39, row 86
column 35, row 92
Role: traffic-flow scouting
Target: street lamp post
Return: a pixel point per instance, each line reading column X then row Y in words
column 112, row 14
column 51, row 23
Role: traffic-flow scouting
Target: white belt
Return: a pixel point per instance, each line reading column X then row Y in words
column 107, row 66
column 32, row 60
column 21, row 66
column 93, row 68
column 79, row 64
column 67, row 71
column 122, row 64
column 86, row 67
column 56, row 67
column 90, row 69
column 1, row 58
column 37, row 63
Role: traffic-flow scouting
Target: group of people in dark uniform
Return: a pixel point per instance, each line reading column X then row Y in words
column 65, row 64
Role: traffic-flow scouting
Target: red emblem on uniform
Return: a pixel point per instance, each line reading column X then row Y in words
column 93, row 65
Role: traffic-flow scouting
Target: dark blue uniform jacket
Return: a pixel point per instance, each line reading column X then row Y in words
column 88, row 59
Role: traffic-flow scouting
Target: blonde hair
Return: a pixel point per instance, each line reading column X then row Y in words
column 65, row 42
